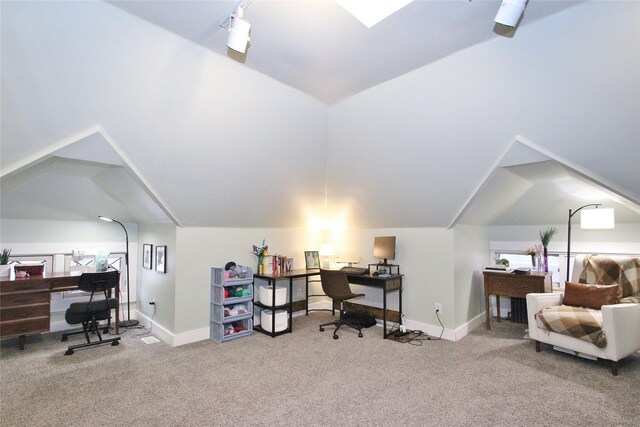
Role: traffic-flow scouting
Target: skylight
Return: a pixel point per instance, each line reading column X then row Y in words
column 370, row 12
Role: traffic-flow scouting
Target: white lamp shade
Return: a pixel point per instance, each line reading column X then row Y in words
column 326, row 249
column 597, row 219
column 238, row 35
column 510, row 12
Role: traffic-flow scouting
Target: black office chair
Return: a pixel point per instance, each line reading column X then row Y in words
column 97, row 308
column 336, row 285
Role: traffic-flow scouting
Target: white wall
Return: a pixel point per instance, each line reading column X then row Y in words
column 471, row 256
column 156, row 285
column 425, row 257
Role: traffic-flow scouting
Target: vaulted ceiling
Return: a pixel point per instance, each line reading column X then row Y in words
column 136, row 110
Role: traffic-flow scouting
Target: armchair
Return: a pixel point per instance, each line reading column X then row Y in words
column 620, row 325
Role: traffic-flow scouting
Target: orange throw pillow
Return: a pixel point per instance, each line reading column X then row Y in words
column 591, row 296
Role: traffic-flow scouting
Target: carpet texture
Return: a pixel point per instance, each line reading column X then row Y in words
column 307, row 378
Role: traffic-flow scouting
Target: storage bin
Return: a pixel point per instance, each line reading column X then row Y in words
column 281, row 320
column 265, row 295
column 217, row 330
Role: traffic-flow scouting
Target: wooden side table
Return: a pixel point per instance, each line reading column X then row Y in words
column 512, row 285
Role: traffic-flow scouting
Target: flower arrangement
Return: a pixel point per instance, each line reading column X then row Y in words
column 260, row 252
column 532, row 252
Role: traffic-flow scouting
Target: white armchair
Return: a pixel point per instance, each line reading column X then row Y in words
column 621, row 326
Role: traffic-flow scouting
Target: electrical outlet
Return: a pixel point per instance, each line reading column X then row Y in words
column 152, row 302
column 438, row 307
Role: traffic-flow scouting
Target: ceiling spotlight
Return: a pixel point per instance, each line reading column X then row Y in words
column 238, row 32
column 510, row 12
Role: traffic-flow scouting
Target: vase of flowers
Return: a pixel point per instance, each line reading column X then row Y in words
column 545, row 238
column 533, row 254
column 260, row 252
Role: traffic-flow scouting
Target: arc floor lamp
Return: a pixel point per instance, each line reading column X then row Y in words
column 595, row 219
column 129, row 322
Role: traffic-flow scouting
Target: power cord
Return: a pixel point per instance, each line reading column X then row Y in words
column 417, row 340
column 151, row 323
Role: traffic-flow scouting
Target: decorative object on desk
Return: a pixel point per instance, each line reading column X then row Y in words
column 545, row 238
column 539, row 256
column 531, row 251
column 129, row 322
column 161, row 259
column 312, row 259
column 147, row 255
column 260, row 253
column 593, row 219
column 102, row 260
column 289, row 264
column 32, row 268
column 327, row 253
column 5, row 268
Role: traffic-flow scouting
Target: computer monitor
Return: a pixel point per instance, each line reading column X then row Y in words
column 384, row 248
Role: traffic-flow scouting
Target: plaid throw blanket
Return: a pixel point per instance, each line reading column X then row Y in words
column 625, row 271
column 577, row 322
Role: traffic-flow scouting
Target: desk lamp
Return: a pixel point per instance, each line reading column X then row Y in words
column 594, row 219
column 129, row 322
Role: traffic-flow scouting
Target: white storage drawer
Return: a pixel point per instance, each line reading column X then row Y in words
column 265, row 295
column 266, row 319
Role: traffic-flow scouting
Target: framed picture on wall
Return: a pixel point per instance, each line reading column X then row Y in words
column 147, row 255
column 161, row 259
column 312, row 259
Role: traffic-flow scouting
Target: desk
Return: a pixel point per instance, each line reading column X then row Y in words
column 512, row 285
column 271, row 280
column 25, row 303
column 387, row 284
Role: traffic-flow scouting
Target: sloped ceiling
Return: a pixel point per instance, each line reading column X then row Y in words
column 319, row 48
column 210, row 141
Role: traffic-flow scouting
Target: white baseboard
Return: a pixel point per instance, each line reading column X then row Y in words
column 174, row 340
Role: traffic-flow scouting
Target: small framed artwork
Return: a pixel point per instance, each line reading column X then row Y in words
column 147, row 255
column 161, row 259
column 312, row 259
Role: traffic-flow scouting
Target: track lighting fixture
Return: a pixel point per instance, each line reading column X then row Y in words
column 238, row 32
column 510, row 12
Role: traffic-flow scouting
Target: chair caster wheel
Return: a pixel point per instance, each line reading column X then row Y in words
column 115, row 343
column 335, row 337
column 64, row 338
column 321, row 329
column 68, row 352
column 360, row 335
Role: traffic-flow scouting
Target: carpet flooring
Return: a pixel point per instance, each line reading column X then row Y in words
column 306, row 378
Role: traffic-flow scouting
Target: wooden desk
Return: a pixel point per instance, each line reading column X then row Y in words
column 512, row 285
column 25, row 303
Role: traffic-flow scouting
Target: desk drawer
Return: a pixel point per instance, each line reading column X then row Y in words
column 24, row 312
column 19, row 285
column 512, row 287
column 24, row 298
column 24, row 327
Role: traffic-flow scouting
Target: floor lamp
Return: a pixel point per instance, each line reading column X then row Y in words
column 590, row 219
column 129, row 322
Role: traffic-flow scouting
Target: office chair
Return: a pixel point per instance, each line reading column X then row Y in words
column 97, row 308
column 336, row 285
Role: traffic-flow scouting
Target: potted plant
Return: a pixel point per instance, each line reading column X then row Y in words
column 5, row 268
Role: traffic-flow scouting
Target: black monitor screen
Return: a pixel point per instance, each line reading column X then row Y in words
column 384, row 247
